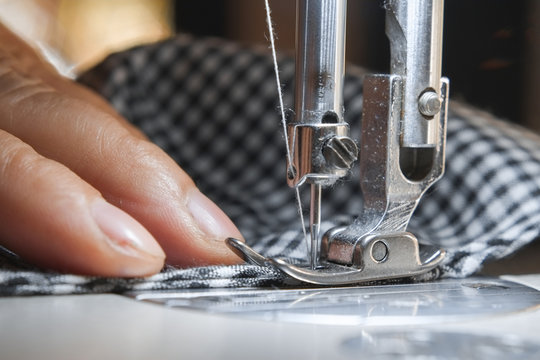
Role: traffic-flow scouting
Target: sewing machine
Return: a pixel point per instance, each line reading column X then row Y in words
column 401, row 150
column 401, row 154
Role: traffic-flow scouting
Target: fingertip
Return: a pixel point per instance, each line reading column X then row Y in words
column 210, row 219
column 125, row 233
column 202, row 230
column 136, row 247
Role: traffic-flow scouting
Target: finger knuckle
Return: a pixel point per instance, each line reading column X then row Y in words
column 15, row 155
column 19, row 160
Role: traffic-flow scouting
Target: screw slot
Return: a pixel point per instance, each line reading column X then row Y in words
column 340, row 152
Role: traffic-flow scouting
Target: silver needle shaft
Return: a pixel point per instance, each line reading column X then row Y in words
column 315, row 224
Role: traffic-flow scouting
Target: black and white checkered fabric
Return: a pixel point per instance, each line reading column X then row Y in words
column 213, row 106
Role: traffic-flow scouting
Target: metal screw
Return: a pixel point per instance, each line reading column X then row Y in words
column 340, row 151
column 379, row 251
column 429, row 103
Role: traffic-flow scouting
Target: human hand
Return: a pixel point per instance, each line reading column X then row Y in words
column 83, row 191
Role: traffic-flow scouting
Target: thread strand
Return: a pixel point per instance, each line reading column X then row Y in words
column 283, row 118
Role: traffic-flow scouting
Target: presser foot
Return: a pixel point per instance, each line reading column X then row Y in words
column 374, row 258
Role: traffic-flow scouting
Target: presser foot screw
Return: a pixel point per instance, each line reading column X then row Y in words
column 340, row 152
column 429, row 103
column 379, row 251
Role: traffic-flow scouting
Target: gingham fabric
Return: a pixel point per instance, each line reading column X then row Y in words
column 213, row 106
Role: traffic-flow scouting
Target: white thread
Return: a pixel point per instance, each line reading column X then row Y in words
column 278, row 82
column 283, row 119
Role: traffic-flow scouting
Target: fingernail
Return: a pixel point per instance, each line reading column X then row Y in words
column 124, row 232
column 210, row 218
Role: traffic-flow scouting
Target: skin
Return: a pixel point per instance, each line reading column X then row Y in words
column 82, row 191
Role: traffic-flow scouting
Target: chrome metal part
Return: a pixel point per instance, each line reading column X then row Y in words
column 318, row 124
column 309, row 162
column 322, row 151
column 320, row 59
column 340, row 152
column 246, row 253
column 315, row 225
column 404, row 260
column 414, row 28
column 441, row 301
column 429, row 103
column 390, row 195
column 402, row 143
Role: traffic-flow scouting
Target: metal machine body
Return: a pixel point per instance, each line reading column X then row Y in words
column 400, row 153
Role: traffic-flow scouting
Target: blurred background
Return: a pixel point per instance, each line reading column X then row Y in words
column 491, row 47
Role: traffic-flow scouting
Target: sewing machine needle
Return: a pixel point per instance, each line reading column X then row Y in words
column 315, row 224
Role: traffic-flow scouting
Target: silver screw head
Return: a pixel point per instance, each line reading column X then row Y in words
column 379, row 251
column 340, row 152
column 429, row 103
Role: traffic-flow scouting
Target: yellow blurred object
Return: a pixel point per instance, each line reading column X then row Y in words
column 76, row 34
column 91, row 29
